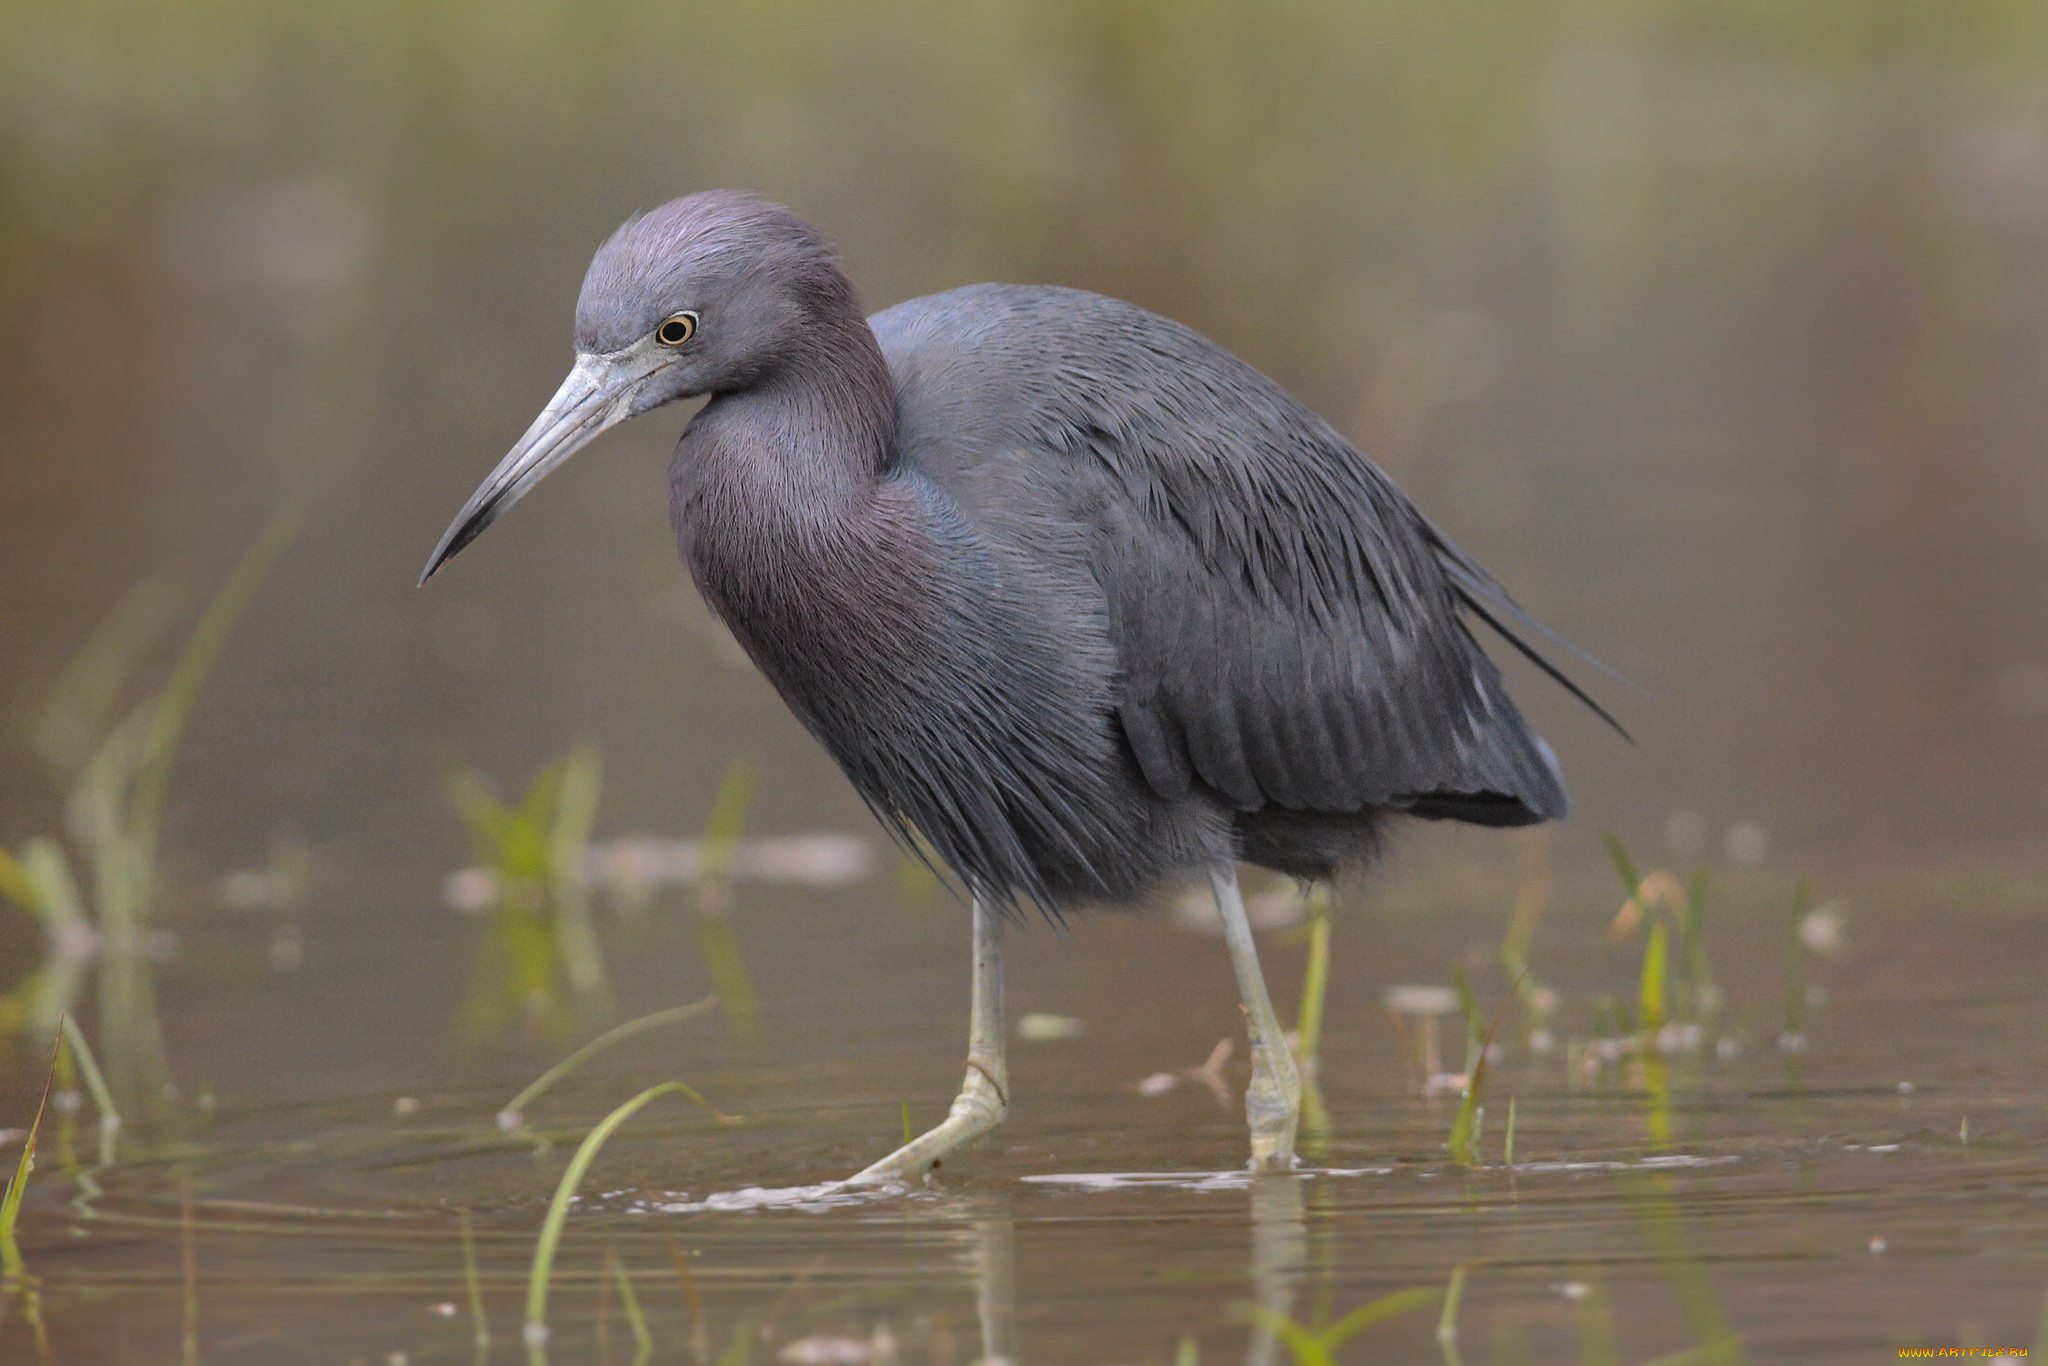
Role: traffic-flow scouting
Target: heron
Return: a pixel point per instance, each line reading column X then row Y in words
column 1082, row 604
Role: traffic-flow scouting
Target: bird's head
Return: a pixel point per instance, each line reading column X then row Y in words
column 711, row 293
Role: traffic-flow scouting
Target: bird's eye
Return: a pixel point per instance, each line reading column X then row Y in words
column 677, row 330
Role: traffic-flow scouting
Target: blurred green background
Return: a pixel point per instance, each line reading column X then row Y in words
column 1716, row 329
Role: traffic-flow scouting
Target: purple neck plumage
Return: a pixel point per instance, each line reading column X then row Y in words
column 777, row 495
column 808, row 438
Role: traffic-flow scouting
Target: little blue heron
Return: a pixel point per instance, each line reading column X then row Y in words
column 1072, row 594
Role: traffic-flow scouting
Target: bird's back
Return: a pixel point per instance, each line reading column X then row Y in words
column 1285, row 624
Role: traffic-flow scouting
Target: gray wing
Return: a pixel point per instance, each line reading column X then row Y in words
column 1287, row 624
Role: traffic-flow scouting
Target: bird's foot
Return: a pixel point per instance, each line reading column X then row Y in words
column 977, row 1110
column 1272, row 1108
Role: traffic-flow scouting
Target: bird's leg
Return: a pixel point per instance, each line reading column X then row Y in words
column 1272, row 1106
column 984, row 1096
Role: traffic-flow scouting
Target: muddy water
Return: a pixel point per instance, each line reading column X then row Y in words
column 1882, row 1188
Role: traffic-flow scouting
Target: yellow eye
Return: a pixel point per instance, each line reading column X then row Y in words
column 677, row 330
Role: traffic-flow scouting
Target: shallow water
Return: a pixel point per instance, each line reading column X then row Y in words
column 1819, row 1207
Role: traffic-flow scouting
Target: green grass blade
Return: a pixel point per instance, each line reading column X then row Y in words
column 181, row 690
column 728, row 818
column 18, row 887
column 1507, row 1156
column 1465, row 1128
column 1468, row 1008
column 729, row 977
column 1795, row 995
column 473, row 1282
column 12, row 1267
column 565, row 1191
column 1378, row 1311
column 1315, row 984
column 1653, row 995
column 96, row 1083
column 631, row 1304
column 84, row 695
column 1623, row 864
column 1305, row 1347
column 1447, row 1322
column 568, row 845
column 514, row 1113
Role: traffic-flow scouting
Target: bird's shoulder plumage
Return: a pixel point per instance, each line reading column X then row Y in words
column 1286, row 624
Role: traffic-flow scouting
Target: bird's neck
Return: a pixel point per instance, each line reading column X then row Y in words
column 809, row 440
column 792, row 531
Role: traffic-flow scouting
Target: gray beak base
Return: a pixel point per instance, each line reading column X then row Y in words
column 597, row 394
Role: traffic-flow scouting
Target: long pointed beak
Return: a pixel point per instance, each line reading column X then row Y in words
column 597, row 394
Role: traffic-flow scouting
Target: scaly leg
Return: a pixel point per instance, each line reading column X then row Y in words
column 1273, row 1104
column 984, row 1096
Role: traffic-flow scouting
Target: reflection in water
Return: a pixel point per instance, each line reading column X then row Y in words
column 995, row 1284
column 1279, row 1255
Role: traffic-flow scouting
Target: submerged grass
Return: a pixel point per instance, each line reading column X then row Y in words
column 1464, row 1140
column 628, row 1301
column 80, row 1052
column 473, row 1283
column 545, row 952
column 12, row 1266
column 15, row 1280
column 1318, row 1347
column 536, row 1329
column 715, row 938
column 115, row 771
column 1308, row 1029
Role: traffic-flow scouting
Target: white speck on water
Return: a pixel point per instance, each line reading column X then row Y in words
column 1421, row 1000
column 1038, row 1027
column 405, row 1105
column 470, row 890
column 1877, row 1247
column 1573, row 1290
column 446, row 1309
column 1820, row 929
column 1905, row 1088
column 819, row 1350
column 1157, row 1085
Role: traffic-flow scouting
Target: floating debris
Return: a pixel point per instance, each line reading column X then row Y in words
column 820, row 1350
column 633, row 868
column 1821, row 929
column 1209, row 1074
column 1280, row 908
column 1038, row 1027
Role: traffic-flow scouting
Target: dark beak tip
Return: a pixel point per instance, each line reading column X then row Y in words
column 467, row 528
